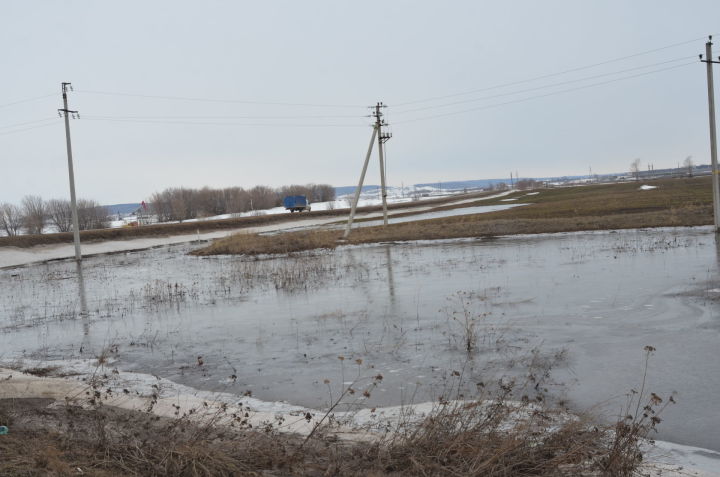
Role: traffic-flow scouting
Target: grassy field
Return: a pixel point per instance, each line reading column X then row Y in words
column 205, row 225
column 675, row 202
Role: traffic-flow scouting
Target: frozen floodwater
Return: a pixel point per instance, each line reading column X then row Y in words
column 583, row 305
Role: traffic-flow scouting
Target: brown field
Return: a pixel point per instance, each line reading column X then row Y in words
column 675, row 202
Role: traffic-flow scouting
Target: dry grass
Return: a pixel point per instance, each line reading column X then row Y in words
column 463, row 439
column 255, row 244
column 676, row 202
column 503, row 432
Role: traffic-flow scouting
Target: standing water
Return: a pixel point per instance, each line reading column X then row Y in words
column 575, row 311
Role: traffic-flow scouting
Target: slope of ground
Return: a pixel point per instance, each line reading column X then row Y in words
column 670, row 202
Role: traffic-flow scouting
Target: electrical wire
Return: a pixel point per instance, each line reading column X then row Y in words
column 10, row 126
column 27, row 100
column 490, row 106
column 27, row 129
column 550, row 75
column 210, row 123
column 354, row 116
column 217, row 100
column 551, row 85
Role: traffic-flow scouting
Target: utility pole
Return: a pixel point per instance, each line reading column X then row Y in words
column 73, row 202
column 382, row 139
column 713, row 132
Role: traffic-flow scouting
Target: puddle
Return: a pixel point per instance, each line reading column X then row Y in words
column 582, row 304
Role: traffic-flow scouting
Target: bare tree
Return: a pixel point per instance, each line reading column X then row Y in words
column 635, row 168
column 210, row 202
column 60, row 214
column 183, row 203
column 160, row 206
column 263, row 197
column 237, row 200
column 11, row 218
column 323, row 193
column 34, row 212
column 91, row 215
column 689, row 164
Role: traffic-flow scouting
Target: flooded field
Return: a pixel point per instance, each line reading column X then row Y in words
column 566, row 313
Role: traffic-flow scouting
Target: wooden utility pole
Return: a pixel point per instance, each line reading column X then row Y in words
column 713, row 132
column 73, row 202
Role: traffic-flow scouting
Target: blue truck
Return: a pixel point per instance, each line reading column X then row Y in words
column 296, row 203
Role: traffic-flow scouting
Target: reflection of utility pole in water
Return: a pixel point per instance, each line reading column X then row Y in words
column 391, row 278
column 83, row 298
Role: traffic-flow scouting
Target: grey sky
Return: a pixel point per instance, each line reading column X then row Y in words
column 345, row 54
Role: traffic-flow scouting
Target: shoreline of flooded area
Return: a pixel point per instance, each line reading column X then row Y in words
column 572, row 311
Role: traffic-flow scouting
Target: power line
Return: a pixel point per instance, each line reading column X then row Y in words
column 218, row 100
column 211, row 123
column 27, row 100
column 552, row 85
column 10, row 126
column 27, row 129
column 353, row 116
column 490, row 106
column 550, row 75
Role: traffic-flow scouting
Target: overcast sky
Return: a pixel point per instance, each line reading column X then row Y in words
column 275, row 92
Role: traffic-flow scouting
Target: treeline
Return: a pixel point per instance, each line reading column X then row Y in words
column 181, row 203
column 34, row 214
